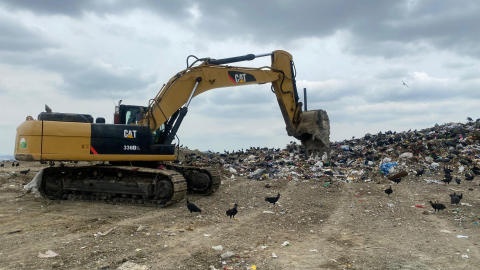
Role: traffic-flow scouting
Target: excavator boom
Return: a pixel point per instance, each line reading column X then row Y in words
column 311, row 127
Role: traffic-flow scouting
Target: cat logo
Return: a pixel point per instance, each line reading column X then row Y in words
column 130, row 134
column 240, row 77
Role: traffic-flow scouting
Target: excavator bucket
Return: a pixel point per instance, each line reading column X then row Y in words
column 314, row 130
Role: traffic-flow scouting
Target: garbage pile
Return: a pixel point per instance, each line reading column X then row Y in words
column 373, row 157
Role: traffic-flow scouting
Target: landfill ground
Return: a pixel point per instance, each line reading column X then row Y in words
column 340, row 226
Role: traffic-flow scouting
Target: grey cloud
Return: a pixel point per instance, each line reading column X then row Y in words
column 257, row 94
column 91, row 81
column 457, row 65
column 85, row 78
column 17, row 37
column 381, row 28
column 470, row 75
column 79, row 8
column 243, row 111
column 392, row 73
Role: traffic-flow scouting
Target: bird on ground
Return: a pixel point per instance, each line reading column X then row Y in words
column 2, row 165
column 476, row 170
column 405, row 84
column 447, row 180
column 268, row 186
column 455, row 199
column 458, row 180
column 420, row 172
column 447, row 170
column 25, row 172
column 437, row 206
column 232, row 212
column 469, row 177
column 389, row 190
column 469, row 119
column 272, row 200
column 18, row 164
column 397, row 180
column 13, row 164
column 193, row 208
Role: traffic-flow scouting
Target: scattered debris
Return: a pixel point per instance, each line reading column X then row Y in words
column 218, row 248
column 48, row 254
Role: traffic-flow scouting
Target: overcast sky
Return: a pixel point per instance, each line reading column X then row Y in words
column 350, row 55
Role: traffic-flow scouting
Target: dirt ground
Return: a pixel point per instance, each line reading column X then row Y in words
column 340, row 226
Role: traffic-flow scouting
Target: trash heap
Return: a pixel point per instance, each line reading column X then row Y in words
column 371, row 158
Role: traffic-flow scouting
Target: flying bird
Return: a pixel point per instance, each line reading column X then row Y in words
column 405, row 84
column 232, row 212
column 389, row 190
column 193, row 208
column 469, row 119
column 272, row 200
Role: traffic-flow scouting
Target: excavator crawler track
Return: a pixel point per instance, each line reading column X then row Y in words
column 114, row 184
column 201, row 180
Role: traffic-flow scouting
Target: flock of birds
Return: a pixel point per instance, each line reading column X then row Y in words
column 454, row 198
column 16, row 165
column 232, row 211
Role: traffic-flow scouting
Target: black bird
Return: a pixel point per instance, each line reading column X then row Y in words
column 13, row 164
column 18, row 164
column 193, row 208
column 437, row 206
column 328, row 173
column 455, row 199
column 272, row 200
column 420, row 172
column 469, row 177
column 25, row 172
column 458, row 180
column 389, row 190
column 232, row 212
column 469, row 119
column 405, row 84
column 2, row 165
column 447, row 180
column 268, row 186
column 476, row 170
column 447, row 170
column 396, row 180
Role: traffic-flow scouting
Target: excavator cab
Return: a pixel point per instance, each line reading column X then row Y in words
column 129, row 114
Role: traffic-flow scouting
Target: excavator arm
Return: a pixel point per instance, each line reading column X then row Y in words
column 170, row 105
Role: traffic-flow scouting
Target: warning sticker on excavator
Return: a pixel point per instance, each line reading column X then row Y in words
column 240, row 77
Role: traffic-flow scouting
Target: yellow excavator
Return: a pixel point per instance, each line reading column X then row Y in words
column 138, row 145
